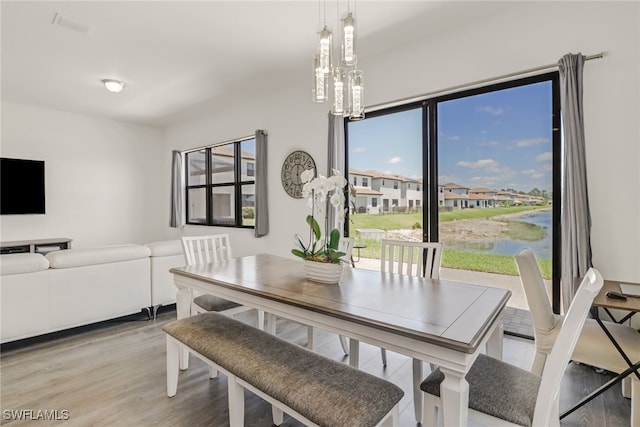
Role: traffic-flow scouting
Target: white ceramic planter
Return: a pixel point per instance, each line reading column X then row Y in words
column 323, row 272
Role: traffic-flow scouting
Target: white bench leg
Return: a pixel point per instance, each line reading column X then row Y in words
column 173, row 357
column 236, row 402
column 277, row 414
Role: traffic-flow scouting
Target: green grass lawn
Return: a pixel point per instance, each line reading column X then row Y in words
column 462, row 260
column 405, row 221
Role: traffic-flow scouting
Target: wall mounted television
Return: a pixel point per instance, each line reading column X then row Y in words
column 22, row 188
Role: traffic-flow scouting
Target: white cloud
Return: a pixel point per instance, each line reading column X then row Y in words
column 494, row 111
column 528, row 172
column 545, row 157
column 395, row 160
column 453, row 138
column 531, row 142
column 482, row 163
column 359, row 150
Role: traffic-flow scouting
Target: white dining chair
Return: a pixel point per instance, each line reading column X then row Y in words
column 501, row 394
column 593, row 347
column 345, row 245
column 212, row 249
column 420, row 259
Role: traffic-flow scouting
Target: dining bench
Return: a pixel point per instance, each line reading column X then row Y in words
column 311, row 388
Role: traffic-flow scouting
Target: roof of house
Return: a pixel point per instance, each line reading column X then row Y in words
column 450, row 195
column 454, row 185
column 366, row 191
column 482, row 190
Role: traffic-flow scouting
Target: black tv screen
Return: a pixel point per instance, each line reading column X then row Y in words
column 21, row 186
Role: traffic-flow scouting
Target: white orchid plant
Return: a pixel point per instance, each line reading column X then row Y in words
column 322, row 192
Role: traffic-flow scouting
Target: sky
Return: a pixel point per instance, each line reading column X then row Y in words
column 497, row 140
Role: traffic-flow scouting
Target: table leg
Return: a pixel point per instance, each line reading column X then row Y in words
column 270, row 321
column 354, row 352
column 494, row 343
column 454, row 392
column 417, row 393
column 183, row 310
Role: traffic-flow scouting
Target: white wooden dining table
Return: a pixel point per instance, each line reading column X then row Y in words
column 440, row 322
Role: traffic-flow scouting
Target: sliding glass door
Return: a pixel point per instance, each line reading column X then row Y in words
column 477, row 170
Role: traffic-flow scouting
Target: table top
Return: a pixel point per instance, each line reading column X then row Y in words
column 450, row 314
column 601, row 300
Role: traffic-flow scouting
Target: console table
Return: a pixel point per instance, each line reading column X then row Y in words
column 40, row 246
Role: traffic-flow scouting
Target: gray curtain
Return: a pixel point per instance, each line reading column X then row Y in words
column 262, row 196
column 335, row 156
column 176, row 218
column 576, row 219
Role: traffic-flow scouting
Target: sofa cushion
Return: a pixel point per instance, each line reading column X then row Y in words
column 99, row 255
column 165, row 248
column 22, row 263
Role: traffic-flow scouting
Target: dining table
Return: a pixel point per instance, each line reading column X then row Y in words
column 445, row 323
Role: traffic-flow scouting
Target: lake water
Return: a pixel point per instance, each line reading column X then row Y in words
column 542, row 248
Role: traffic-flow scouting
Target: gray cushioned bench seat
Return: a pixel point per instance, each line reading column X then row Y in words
column 324, row 391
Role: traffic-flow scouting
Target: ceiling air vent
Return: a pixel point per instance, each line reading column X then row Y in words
column 72, row 24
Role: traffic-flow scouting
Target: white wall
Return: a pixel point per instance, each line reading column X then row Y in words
column 524, row 35
column 103, row 182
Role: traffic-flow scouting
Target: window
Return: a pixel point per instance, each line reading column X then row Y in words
column 365, row 182
column 220, row 186
column 395, row 185
column 374, row 202
column 355, row 180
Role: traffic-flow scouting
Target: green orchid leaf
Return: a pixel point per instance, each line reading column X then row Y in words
column 314, row 226
column 301, row 243
column 334, row 239
column 299, row 253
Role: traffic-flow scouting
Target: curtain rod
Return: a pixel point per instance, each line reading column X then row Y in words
column 424, row 96
column 242, row 138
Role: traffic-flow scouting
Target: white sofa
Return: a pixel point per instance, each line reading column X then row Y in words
column 74, row 287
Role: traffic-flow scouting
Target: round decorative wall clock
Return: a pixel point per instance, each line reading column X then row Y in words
column 294, row 164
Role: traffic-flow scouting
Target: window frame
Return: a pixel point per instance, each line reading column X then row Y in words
column 237, row 184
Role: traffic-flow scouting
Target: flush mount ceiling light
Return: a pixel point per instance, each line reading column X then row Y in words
column 114, row 86
column 345, row 76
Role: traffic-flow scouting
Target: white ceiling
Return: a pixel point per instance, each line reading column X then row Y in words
column 174, row 55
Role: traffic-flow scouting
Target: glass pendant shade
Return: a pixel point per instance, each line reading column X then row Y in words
column 349, row 56
column 320, row 82
column 356, row 95
column 324, row 50
column 338, row 91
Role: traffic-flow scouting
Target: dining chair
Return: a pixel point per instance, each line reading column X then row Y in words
column 207, row 249
column 593, row 347
column 344, row 245
column 420, row 259
column 410, row 258
column 501, row 394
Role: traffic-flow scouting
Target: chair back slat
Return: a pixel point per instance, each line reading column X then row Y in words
column 346, row 245
column 206, row 249
column 411, row 258
column 556, row 364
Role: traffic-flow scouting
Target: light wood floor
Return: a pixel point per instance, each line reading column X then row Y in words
column 113, row 374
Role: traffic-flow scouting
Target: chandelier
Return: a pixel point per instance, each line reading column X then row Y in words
column 344, row 82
